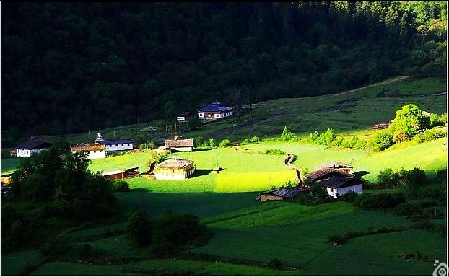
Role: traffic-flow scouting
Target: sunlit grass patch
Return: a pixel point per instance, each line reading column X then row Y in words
column 251, row 181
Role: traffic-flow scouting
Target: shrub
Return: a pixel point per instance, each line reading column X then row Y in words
column 287, row 135
column 429, row 135
column 139, row 228
column 224, row 143
column 381, row 140
column 414, row 180
column 255, row 139
column 387, row 179
column 6, row 154
column 435, row 192
column 199, row 142
column 274, row 152
column 379, row 201
column 120, row 186
column 275, row 263
column 212, row 142
column 174, row 233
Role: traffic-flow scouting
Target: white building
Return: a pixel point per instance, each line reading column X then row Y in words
column 30, row 147
column 214, row 111
column 101, row 147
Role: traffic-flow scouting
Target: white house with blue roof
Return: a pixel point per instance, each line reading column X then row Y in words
column 214, row 111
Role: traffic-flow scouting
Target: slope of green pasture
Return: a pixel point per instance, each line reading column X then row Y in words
column 172, row 267
column 346, row 112
column 429, row 156
column 381, row 255
column 200, row 204
column 310, row 156
column 252, row 181
column 76, row 269
column 14, row 264
column 296, row 235
column 10, row 164
column 125, row 161
column 241, row 172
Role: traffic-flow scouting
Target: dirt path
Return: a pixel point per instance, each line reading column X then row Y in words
column 225, row 131
column 395, row 79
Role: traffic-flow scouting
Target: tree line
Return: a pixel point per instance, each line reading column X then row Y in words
column 73, row 67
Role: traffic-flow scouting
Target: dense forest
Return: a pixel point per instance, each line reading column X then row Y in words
column 71, row 67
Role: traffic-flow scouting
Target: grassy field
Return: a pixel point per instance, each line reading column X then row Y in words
column 248, row 234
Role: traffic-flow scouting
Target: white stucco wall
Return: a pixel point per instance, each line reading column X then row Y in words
column 119, row 147
column 26, row 153
column 341, row 191
column 99, row 154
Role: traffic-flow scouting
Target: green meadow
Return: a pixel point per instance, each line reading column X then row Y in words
column 270, row 238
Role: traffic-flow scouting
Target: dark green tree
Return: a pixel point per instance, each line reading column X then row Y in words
column 139, row 228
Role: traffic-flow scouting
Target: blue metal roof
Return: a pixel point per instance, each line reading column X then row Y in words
column 119, row 141
column 215, row 107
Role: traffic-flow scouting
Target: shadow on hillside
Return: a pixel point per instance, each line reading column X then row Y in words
column 201, row 172
column 360, row 174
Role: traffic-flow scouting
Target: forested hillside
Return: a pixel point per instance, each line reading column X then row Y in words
column 73, row 67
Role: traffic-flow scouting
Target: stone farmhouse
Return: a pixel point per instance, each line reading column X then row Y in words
column 174, row 169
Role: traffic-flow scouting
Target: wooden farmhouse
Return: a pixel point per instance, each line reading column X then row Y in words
column 179, row 144
column 214, row 111
column 30, row 147
column 100, row 148
column 114, row 175
column 174, row 169
column 338, row 178
column 278, row 194
column 121, row 174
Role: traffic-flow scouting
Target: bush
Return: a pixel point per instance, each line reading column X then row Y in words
column 174, row 233
column 274, row 152
column 199, row 142
column 326, row 138
column 435, row 192
column 414, row 180
column 139, row 228
column 120, row 186
column 287, row 135
column 6, row 154
column 255, row 139
column 429, row 135
column 275, row 263
column 212, row 142
column 388, row 179
column 224, row 143
column 381, row 140
column 379, row 201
